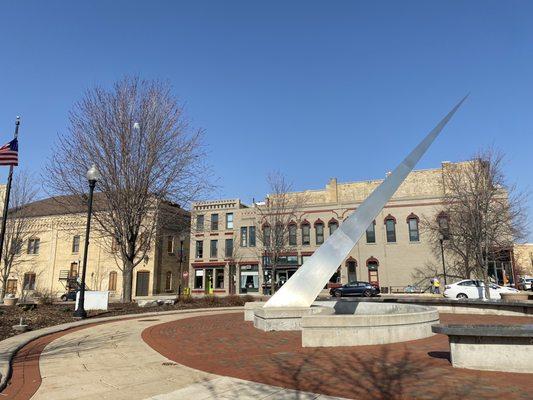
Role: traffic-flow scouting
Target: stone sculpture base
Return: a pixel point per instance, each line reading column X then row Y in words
column 284, row 318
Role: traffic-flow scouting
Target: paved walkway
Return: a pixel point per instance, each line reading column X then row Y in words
column 111, row 361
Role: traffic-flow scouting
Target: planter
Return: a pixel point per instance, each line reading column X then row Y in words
column 514, row 296
column 10, row 301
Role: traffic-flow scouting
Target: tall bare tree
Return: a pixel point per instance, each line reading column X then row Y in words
column 19, row 226
column 147, row 154
column 482, row 215
column 276, row 222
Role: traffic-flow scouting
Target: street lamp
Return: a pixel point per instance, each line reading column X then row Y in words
column 441, row 239
column 182, row 239
column 92, row 176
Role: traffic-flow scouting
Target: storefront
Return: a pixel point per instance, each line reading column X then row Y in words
column 208, row 278
column 249, row 279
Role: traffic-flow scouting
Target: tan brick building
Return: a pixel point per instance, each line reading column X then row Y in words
column 50, row 258
column 393, row 247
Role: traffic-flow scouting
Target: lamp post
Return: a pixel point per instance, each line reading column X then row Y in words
column 441, row 239
column 181, row 268
column 92, row 176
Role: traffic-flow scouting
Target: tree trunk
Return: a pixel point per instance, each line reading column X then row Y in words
column 273, row 280
column 127, row 282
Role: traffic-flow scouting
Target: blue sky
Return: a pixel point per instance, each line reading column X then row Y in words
column 315, row 89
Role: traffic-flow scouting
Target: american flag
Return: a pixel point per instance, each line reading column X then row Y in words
column 9, row 153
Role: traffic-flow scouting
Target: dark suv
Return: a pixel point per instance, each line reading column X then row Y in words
column 355, row 289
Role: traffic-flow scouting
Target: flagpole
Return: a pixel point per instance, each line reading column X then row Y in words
column 6, row 200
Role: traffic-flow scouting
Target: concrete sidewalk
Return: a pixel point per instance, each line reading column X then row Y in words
column 111, row 361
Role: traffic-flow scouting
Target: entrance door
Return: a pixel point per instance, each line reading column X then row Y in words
column 143, row 279
column 232, row 279
column 11, row 286
column 352, row 275
column 209, row 281
column 373, row 276
column 281, row 278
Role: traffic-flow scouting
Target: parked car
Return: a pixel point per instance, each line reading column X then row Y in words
column 69, row 296
column 524, row 283
column 474, row 289
column 355, row 289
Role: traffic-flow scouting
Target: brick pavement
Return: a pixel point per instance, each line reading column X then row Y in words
column 226, row 345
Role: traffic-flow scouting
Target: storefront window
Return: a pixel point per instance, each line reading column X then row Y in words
column 199, row 279
column 219, row 279
column 249, row 278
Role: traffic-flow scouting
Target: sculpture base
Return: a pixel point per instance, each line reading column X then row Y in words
column 284, row 318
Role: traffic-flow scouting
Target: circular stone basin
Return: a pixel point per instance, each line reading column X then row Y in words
column 349, row 323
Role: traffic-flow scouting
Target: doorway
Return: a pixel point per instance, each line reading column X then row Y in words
column 143, row 279
column 209, row 281
column 373, row 276
column 11, row 286
column 352, row 273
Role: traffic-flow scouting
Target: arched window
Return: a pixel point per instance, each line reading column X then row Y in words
column 112, row 284
column 333, row 225
column 292, row 233
column 390, row 227
column 306, row 233
column 168, row 282
column 266, row 235
column 412, row 223
column 319, row 231
column 371, row 233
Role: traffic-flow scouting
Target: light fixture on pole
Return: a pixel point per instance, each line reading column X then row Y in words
column 92, row 176
column 181, row 259
column 442, row 237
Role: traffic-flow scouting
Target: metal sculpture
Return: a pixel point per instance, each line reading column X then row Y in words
column 307, row 282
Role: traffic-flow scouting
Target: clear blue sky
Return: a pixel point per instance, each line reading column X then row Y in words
column 314, row 89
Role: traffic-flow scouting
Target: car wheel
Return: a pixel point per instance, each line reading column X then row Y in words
column 462, row 296
column 64, row 298
column 338, row 294
column 367, row 293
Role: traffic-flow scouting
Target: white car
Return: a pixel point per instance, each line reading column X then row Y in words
column 525, row 282
column 474, row 289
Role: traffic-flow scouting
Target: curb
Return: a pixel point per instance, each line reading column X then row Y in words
column 10, row 346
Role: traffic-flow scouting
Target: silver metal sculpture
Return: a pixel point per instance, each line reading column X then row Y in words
column 305, row 285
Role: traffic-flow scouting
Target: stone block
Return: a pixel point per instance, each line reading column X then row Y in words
column 284, row 318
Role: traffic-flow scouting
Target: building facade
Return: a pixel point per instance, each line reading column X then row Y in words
column 49, row 259
column 227, row 258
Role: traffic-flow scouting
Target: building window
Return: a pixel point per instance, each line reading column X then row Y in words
column 244, row 236
column 112, row 284
column 199, row 279
column 249, row 278
column 214, row 222
column 251, row 239
column 371, row 233
column 168, row 282
column 219, row 279
column 33, row 245
column 199, row 223
column 11, row 287
column 229, row 221
column 306, row 234
column 16, row 246
column 170, row 244
column 292, row 235
column 390, row 226
column 199, row 249
column 76, row 244
column 319, row 233
column 114, row 245
column 229, row 248
column 414, row 235
column 266, row 236
column 213, row 250
column 333, row 225
column 73, row 273
column 29, row 281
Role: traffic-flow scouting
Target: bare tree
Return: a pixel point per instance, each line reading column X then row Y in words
column 147, row 154
column 276, row 223
column 481, row 217
column 19, row 226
